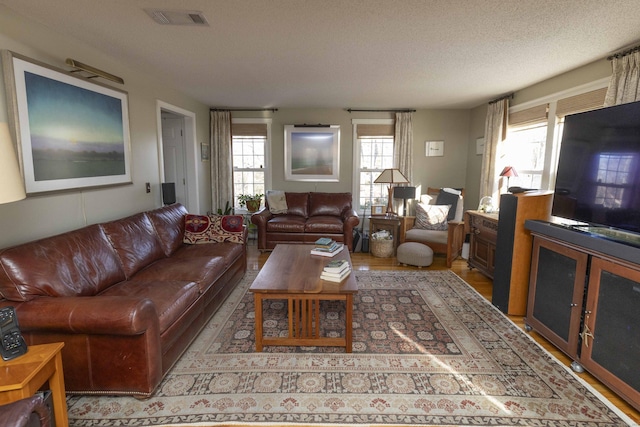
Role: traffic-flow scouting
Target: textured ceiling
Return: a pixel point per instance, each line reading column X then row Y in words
column 349, row 53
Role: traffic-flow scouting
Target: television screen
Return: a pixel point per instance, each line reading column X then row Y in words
column 598, row 178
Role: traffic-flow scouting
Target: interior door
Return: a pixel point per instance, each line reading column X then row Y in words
column 173, row 154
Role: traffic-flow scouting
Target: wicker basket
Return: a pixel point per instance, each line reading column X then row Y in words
column 382, row 248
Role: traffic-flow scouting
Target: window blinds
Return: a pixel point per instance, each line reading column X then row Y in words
column 372, row 130
column 584, row 102
column 249, row 129
column 537, row 114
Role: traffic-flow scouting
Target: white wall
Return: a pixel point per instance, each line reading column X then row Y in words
column 452, row 126
column 40, row 216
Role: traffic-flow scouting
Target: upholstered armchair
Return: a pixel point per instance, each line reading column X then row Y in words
column 444, row 237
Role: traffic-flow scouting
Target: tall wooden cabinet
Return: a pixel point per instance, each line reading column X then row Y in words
column 513, row 248
column 584, row 296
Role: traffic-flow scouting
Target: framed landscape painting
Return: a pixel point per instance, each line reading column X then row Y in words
column 70, row 132
column 312, row 153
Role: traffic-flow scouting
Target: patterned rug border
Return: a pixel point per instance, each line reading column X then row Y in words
column 233, row 301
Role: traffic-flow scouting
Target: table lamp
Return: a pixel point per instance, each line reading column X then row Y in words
column 509, row 171
column 391, row 176
column 404, row 193
column 12, row 188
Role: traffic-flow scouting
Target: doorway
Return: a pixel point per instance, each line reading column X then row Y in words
column 178, row 154
column 173, row 149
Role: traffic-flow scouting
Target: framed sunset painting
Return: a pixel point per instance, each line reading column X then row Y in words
column 70, row 132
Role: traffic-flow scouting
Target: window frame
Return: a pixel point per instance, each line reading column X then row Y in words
column 357, row 151
column 267, row 170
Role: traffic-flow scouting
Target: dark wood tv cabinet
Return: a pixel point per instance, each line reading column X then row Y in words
column 584, row 297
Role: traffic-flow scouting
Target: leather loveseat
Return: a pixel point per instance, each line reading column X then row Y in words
column 308, row 216
column 126, row 297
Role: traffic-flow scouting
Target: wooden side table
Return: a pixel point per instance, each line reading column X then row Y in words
column 391, row 224
column 23, row 376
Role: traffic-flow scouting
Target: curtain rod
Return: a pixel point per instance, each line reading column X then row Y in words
column 244, row 109
column 493, row 101
column 624, row 53
column 397, row 110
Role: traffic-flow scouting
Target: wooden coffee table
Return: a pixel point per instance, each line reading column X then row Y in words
column 293, row 274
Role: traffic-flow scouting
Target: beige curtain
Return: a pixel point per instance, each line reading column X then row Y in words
column 403, row 144
column 221, row 160
column 624, row 85
column 494, row 134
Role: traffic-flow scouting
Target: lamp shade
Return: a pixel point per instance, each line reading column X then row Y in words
column 391, row 176
column 509, row 171
column 11, row 184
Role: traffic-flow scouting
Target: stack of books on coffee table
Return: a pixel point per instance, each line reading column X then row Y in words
column 326, row 246
column 336, row 271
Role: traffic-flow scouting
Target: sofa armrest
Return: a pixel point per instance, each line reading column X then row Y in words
column 260, row 219
column 350, row 220
column 108, row 315
column 455, row 240
column 406, row 224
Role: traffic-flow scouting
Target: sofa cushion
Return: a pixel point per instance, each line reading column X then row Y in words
column 298, row 204
column 168, row 222
column 135, row 242
column 77, row 263
column 324, row 224
column 286, row 224
column 201, row 270
column 229, row 252
column 199, row 229
column 329, row 203
column 171, row 298
column 431, row 217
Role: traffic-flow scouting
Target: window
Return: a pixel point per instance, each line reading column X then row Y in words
column 535, row 133
column 376, row 154
column 373, row 152
column 525, row 150
column 249, row 147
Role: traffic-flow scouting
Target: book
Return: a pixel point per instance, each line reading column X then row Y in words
column 334, row 246
column 324, row 242
column 336, row 266
column 317, row 251
column 340, row 278
column 343, row 273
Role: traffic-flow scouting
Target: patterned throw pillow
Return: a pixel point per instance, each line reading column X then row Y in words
column 213, row 229
column 431, row 217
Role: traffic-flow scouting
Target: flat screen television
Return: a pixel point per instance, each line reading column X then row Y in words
column 598, row 177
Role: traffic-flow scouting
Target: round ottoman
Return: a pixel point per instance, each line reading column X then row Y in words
column 414, row 253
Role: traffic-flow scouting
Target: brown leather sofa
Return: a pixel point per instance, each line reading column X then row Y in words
column 309, row 216
column 126, row 297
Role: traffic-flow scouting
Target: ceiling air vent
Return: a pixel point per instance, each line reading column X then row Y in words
column 177, row 17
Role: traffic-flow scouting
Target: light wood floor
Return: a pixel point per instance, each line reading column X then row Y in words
column 365, row 261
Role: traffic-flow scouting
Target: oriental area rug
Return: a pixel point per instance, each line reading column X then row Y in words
column 427, row 350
